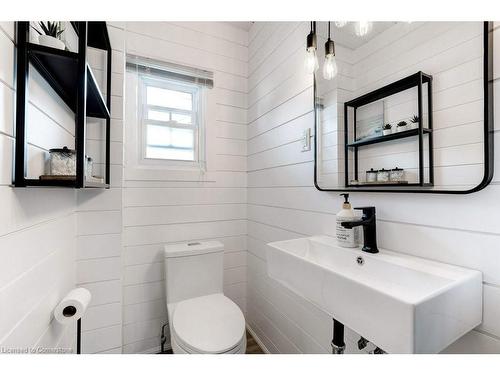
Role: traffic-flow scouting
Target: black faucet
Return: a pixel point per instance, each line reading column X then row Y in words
column 369, row 223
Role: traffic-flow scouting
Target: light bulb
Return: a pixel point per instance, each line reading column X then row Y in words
column 330, row 69
column 362, row 28
column 340, row 24
column 311, row 62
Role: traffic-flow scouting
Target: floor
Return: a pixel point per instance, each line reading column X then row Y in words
column 252, row 346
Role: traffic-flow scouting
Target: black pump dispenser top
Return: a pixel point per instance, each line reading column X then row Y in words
column 346, row 197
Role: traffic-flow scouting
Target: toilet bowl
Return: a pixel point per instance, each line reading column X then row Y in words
column 201, row 319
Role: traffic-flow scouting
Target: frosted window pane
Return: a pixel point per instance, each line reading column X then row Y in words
column 182, row 138
column 158, row 115
column 182, row 119
column 164, row 142
column 169, row 98
column 169, row 153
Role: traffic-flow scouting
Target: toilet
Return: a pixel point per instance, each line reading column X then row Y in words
column 202, row 319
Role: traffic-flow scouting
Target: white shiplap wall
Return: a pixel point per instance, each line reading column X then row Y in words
column 37, row 235
column 454, row 59
column 99, row 216
column 165, row 211
column 283, row 204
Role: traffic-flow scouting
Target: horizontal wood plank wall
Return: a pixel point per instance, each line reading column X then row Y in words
column 164, row 211
column 37, row 225
column 283, row 204
column 454, row 59
column 99, row 216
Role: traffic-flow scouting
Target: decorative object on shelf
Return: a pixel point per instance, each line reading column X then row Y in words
column 370, row 121
column 330, row 65
column 89, row 166
column 62, row 162
column 362, row 28
column 414, row 122
column 396, row 175
column 383, row 175
column 371, row 175
column 311, row 62
column 52, row 32
column 402, row 126
column 387, row 129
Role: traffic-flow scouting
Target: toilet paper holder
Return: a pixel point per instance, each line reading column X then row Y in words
column 68, row 312
column 72, row 308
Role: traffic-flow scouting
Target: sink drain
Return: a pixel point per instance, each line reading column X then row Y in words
column 360, row 261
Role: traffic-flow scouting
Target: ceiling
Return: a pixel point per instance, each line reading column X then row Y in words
column 346, row 35
column 242, row 25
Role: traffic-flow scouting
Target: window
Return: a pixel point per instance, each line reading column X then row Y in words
column 170, row 112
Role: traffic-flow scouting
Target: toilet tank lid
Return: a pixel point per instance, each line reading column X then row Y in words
column 192, row 248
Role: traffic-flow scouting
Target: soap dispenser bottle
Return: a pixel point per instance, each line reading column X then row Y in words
column 346, row 237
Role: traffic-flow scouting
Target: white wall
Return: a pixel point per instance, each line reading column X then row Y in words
column 99, row 216
column 454, row 59
column 37, row 226
column 165, row 211
column 54, row 239
column 283, row 204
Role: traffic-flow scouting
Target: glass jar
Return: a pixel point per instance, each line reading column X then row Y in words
column 397, row 174
column 62, row 162
column 89, row 166
column 371, row 175
column 383, row 175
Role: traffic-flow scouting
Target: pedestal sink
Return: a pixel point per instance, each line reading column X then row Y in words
column 401, row 303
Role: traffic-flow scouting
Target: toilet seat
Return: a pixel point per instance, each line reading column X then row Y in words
column 208, row 324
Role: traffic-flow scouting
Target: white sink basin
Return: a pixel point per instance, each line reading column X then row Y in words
column 401, row 303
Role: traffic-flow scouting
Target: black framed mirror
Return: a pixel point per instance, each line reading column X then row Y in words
column 408, row 107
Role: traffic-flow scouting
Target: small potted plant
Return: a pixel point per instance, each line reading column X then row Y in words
column 50, row 37
column 414, row 121
column 387, row 129
column 402, row 126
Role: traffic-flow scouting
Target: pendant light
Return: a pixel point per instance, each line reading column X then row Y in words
column 362, row 28
column 330, row 66
column 311, row 63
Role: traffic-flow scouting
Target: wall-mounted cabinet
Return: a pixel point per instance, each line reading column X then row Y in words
column 72, row 79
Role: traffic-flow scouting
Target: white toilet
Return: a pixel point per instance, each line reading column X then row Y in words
column 201, row 319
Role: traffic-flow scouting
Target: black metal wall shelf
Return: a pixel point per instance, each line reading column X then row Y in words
column 60, row 69
column 389, row 137
column 415, row 80
column 71, row 77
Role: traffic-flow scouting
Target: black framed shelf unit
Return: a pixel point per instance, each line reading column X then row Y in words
column 71, row 77
column 418, row 80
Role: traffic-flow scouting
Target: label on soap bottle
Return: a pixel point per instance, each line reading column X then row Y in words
column 346, row 237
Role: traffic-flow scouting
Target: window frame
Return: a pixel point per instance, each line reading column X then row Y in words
column 197, row 124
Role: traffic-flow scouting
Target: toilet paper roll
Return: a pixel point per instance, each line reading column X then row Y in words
column 73, row 306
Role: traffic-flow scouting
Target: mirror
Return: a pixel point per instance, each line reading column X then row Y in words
column 410, row 109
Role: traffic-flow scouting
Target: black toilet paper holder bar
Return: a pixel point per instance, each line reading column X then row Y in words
column 69, row 311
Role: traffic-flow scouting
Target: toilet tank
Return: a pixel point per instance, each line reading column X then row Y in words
column 193, row 269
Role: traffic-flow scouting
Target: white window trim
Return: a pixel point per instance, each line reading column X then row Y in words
column 139, row 168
